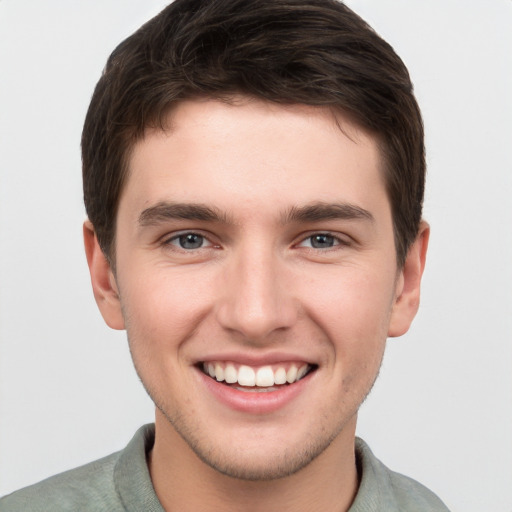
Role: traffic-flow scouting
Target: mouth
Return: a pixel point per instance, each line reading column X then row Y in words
column 265, row 378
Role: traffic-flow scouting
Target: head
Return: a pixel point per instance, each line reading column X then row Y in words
column 253, row 175
column 312, row 52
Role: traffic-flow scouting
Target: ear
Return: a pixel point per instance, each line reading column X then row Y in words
column 407, row 299
column 103, row 280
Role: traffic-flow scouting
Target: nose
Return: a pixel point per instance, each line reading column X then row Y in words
column 257, row 299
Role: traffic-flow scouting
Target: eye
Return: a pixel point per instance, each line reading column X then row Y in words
column 320, row 241
column 189, row 241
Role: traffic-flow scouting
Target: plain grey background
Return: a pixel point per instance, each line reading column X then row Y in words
column 441, row 410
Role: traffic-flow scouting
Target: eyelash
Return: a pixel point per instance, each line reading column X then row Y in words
column 176, row 238
column 336, row 240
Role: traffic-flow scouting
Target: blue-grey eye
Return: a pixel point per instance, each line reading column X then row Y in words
column 191, row 241
column 322, row 241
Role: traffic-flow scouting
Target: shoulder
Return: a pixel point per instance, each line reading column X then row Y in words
column 87, row 488
column 382, row 489
column 117, row 483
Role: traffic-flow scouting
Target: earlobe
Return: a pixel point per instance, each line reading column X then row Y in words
column 102, row 279
column 408, row 284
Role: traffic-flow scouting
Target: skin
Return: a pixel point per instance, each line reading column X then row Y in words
column 260, row 288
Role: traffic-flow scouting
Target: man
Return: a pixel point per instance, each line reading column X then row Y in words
column 253, row 178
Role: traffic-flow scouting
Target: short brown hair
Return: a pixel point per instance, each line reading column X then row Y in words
column 314, row 52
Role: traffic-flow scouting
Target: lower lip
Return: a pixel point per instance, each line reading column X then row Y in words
column 254, row 402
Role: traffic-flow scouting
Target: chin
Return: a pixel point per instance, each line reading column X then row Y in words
column 260, row 467
column 257, row 457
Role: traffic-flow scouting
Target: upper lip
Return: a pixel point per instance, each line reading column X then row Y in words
column 257, row 359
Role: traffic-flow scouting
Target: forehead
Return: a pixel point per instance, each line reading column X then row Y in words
column 248, row 152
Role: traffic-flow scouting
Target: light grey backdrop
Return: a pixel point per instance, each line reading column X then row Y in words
column 442, row 408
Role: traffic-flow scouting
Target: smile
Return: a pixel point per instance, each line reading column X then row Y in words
column 267, row 377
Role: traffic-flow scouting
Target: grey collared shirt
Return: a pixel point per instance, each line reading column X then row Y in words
column 121, row 483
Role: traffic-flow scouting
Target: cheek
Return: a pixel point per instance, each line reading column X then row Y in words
column 354, row 311
column 162, row 308
column 160, row 317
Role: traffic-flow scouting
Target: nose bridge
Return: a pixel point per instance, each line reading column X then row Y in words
column 256, row 301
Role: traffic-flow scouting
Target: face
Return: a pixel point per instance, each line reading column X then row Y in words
column 256, row 277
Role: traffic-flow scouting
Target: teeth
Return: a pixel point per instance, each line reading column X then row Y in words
column 219, row 372
column 264, row 376
column 230, row 374
column 291, row 374
column 246, row 376
column 302, row 371
column 280, row 376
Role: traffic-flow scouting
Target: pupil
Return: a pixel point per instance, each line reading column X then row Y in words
column 321, row 241
column 191, row 241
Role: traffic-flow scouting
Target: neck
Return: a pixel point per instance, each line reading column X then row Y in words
column 183, row 482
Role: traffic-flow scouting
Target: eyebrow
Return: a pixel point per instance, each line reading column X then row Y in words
column 326, row 211
column 315, row 212
column 164, row 211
